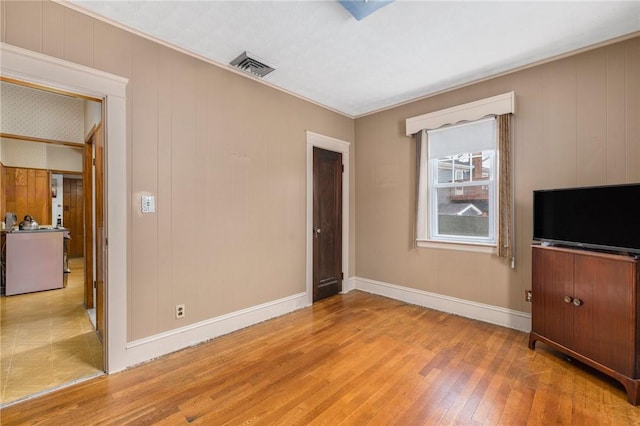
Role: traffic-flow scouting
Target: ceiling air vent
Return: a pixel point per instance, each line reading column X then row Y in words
column 248, row 63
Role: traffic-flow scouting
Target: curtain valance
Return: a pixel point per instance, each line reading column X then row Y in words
column 495, row 105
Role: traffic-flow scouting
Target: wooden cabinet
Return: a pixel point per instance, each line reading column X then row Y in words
column 585, row 304
column 28, row 191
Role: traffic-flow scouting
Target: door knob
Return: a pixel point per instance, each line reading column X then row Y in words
column 568, row 299
column 316, row 232
column 577, row 302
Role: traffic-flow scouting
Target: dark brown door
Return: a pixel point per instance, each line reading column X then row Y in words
column 73, row 208
column 327, row 223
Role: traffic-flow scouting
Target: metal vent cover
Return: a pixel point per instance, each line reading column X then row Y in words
column 250, row 64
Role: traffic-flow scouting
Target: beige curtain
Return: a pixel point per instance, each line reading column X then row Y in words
column 505, row 209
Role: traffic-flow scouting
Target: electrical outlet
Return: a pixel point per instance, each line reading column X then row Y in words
column 179, row 311
column 528, row 295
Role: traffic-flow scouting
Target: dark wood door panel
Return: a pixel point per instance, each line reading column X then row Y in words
column 327, row 223
column 73, row 206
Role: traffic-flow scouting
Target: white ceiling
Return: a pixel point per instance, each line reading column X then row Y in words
column 405, row 50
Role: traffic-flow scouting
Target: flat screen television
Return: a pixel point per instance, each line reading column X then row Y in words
column 597, row 217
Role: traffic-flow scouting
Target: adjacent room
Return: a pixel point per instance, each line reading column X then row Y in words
column 336, row 212
column 49, row 331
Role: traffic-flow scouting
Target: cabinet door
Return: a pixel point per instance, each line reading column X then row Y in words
column 603, row 323
column 552, row 281
column 28, row 191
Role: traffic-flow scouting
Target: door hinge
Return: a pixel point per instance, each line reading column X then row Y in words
column 94, row 284
column 343, row 168
column 93, row 161
column 342, row 275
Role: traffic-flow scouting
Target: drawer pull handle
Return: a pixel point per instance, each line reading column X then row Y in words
column 568, row 299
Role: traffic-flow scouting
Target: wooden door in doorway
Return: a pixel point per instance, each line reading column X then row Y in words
column 95, row 238
column 327, row 223
column 73, row 211
column 101, row 238
column 87, row 180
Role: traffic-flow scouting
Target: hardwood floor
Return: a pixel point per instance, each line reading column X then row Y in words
column 351, row 359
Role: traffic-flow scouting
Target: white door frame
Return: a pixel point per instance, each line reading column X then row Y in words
column 36, row 68
column 336, row 145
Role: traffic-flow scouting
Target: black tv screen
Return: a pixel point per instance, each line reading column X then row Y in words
column 599, row 217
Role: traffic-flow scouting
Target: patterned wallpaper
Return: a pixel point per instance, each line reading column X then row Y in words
column 32, row 112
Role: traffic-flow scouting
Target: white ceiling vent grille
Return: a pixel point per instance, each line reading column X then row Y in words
column 250, row 64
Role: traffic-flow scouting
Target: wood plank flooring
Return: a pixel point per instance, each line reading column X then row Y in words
column 353, row 359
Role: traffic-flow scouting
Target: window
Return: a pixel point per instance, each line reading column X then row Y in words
column 457, row 193
column 463, row 162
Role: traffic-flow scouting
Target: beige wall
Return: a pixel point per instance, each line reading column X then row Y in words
column 224, row 155
column 92, row 115
column 576, row 123
column 18, row 153
column 38, row 155
column 64, row 158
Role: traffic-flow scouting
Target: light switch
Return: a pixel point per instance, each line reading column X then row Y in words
column 148, row 204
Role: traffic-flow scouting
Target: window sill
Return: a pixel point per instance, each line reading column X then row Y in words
column 479, row 248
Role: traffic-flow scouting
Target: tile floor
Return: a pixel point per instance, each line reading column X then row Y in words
column 47, row 339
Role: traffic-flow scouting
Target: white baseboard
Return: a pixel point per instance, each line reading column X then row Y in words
column 348, row 285
column 146, row 349
column 474, row 310
column 143, row 350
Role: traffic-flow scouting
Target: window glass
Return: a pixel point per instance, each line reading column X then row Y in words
column 460, row 190
column 462, row 210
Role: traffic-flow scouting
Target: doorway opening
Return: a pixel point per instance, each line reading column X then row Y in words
column 39, row 69
column 48, row 337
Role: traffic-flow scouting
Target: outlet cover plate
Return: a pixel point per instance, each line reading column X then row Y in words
column 180, row 311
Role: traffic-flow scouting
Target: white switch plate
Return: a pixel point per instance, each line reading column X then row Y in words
column 148, row 204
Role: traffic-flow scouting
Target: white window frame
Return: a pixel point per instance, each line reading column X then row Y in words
column 432, row 211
